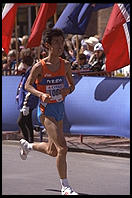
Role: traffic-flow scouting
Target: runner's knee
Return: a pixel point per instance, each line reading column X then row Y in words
column 62, row 150
column 52, row 153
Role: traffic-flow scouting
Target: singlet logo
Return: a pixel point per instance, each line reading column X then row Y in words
column 47, row 75
column 54, row 81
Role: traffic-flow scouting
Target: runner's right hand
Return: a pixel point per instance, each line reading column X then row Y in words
column 45, row 97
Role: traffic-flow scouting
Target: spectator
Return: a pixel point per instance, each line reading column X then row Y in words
column 81, row 63
column 91, row 42
column 74, row 44
column 68, row 53
column 84, row 50
column 24, row 41
column 13, row 44
column 4, row 61
column 25, row 100
column 10, row 65
column 98, row 61
column 24, row 54
column 4, row 57
column 72, row 54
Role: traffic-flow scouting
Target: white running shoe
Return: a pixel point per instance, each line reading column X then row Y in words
column 24, row 149
column 68, row 191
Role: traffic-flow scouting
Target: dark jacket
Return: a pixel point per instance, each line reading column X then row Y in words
column 24, row 97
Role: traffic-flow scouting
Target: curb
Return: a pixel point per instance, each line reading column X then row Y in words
column 81, row 150
column 100, row 152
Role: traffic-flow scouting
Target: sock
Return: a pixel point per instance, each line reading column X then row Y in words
column 30, row 146
column 64, row 183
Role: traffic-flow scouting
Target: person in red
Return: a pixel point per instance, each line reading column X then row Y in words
column 49, row 74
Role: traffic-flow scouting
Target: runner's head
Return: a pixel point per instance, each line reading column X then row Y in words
column 50, row 33
column 54, row 41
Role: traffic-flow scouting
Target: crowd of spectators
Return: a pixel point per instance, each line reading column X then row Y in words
column 87, row 56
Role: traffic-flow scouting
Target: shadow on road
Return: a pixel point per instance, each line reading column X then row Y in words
column 53, row 190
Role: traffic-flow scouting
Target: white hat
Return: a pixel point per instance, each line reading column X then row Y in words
column 98, row 47
column 91, row 41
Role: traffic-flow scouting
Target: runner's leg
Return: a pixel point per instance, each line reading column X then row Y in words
column 57, row 144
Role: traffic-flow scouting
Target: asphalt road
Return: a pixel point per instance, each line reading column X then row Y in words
column 88, row 174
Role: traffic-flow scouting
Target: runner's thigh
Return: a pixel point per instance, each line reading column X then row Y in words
column 55, row 131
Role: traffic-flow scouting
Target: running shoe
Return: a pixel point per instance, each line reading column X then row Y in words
column 24, row 149
column 68, row 191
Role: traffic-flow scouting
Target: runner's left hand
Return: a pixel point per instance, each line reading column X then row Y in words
column 65, row 92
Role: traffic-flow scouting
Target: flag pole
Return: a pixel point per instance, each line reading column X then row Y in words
column 36, row 8
column 16, row 36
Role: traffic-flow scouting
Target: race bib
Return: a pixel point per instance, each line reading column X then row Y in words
column 55, row 92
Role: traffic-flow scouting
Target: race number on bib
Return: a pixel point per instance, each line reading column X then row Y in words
column 55, row 92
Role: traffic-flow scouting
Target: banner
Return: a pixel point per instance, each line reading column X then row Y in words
column 116, row 38
column 8, row 21
column 76, row 16
column 45, row 12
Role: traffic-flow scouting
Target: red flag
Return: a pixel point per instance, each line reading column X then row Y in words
column 116, row 38
column 45, row 12
column 8, row 21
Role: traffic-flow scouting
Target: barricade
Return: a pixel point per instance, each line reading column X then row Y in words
column 98, row 106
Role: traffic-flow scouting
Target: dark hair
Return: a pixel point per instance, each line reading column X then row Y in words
column 50, row 33
column 82, row 56
column 28, row 60
column 26, row 56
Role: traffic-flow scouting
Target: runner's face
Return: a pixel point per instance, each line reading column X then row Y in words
column 57, row 45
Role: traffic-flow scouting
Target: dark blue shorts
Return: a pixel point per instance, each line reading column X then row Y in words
column 55, row 110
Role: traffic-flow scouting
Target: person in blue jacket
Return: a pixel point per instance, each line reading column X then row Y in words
column 25, row 100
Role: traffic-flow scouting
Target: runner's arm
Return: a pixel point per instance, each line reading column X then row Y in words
column 35, row 73
column 69, row 77
column 70, row 89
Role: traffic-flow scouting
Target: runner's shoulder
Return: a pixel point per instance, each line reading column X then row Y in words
column 67, row 64
column 37, row 67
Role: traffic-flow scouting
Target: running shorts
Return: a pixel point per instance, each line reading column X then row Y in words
column 55, row 110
